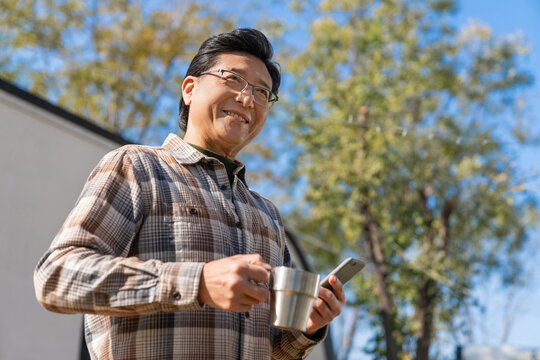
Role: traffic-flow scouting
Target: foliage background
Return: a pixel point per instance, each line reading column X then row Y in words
column 290, row 32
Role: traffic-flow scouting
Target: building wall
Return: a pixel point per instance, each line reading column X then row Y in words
column 44, row 163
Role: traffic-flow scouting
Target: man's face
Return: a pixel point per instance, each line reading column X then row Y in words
column 221, row 119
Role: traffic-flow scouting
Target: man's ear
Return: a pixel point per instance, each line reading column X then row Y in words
column 187, row 88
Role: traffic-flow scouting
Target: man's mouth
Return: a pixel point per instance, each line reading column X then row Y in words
column 236, row 116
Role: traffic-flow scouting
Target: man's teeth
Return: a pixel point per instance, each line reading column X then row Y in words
column 236, row 116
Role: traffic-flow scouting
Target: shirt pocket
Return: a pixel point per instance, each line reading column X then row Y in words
column 197, row 232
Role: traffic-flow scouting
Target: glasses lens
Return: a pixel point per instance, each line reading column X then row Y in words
column 261, row 95
column 234, row 81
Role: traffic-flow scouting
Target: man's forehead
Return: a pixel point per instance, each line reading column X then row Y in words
column 246, row 65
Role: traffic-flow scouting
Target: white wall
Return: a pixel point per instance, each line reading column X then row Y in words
column 44, row 162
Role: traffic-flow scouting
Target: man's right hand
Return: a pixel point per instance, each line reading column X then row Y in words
column 231, row 283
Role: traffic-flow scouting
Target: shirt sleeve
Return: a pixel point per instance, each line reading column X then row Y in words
column 295, row 344
column 88, row 268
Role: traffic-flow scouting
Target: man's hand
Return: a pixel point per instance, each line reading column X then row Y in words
column 327, row 306
column 231, row 283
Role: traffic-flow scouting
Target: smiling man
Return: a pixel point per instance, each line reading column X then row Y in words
column 226, row 111
column 167, row 250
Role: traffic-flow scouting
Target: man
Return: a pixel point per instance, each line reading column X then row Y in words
column 167, row 250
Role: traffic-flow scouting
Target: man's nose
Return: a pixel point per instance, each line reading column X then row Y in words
column 246, row 97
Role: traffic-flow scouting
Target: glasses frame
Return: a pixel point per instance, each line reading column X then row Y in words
column 271, row 100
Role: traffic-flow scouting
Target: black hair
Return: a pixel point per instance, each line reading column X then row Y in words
column 245, row 40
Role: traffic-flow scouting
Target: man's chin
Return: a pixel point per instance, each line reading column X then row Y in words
column 235, row 133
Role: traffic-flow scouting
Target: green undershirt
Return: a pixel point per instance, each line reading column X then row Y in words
column 230, row 165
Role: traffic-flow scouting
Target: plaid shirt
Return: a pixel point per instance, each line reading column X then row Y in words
column 130, row 256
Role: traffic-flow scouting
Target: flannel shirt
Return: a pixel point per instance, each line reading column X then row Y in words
column 130, row 256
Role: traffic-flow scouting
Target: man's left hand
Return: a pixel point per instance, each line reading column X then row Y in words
column 327, row 306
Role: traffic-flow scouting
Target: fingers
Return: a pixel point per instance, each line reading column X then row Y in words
column 232, row 283
column 254, row 298
column 337, row 288
column 326, row 309
column 257, row 273
column 334, row 299
column 327, row 306
column 257, row 293
column 253, row 267
column 316, row 317
column 256, row 259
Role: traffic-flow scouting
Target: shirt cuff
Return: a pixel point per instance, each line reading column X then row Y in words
column 303, row 340
column 179, row 286
column 319, row 336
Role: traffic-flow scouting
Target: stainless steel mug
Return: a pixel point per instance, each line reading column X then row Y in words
column 293, row 292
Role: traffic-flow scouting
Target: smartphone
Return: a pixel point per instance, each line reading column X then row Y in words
column 345, row 271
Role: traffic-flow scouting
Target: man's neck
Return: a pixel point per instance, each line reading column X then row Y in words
column 230, row 165
column 201, row 142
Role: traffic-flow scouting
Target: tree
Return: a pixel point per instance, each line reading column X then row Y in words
column 117, row 62
column 404, row 122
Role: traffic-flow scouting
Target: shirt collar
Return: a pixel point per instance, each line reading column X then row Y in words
column 187, row 155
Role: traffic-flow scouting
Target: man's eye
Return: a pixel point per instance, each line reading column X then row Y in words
column 263, row 92
column 233, row 77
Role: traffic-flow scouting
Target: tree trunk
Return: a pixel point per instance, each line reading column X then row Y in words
column 386, row 302
column 427, row 294
column 373, row 247
column 424, row 315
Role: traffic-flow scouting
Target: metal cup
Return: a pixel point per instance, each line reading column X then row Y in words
column 293, row 292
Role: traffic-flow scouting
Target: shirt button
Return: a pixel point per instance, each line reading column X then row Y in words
column 192, row 211
column 223, row 187
column 177, row 295
column 238, row 224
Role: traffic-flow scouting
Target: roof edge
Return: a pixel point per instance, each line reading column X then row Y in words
column 61, row 112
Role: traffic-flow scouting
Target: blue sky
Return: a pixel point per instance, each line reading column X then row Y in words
column 505, row 17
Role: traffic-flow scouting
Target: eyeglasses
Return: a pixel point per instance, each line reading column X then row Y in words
column 261, row 95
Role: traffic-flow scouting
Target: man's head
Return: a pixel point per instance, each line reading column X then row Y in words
column 249, row 41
